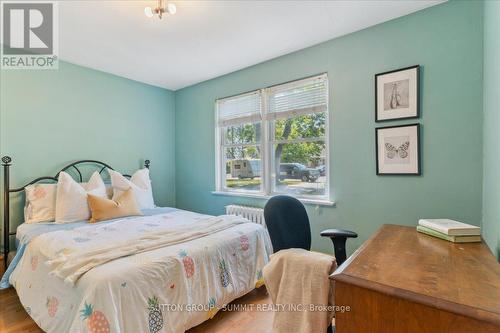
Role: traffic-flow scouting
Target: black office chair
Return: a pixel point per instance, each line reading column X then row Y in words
column 288, row 225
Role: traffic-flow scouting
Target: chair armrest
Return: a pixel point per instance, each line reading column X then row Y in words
column 338, row 233
column 339, row 237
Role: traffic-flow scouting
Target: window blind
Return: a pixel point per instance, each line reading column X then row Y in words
column 298, row 98
column 239, row 109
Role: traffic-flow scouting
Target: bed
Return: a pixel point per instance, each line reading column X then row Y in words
column 166, row 271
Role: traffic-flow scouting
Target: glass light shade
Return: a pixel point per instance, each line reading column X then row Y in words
column 172, row 8
column 148, row 11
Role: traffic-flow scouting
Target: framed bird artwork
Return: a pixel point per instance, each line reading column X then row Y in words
column 397, row 94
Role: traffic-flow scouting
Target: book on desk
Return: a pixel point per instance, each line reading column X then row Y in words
column 450, row 230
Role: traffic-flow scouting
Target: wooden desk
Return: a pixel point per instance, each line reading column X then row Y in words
column 402, row 281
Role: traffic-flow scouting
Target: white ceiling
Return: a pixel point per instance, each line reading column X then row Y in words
column 206, row 39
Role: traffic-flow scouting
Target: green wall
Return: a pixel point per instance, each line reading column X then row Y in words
column 49, row 118
column 446, row 40
column 52, row 117
column 491, row 181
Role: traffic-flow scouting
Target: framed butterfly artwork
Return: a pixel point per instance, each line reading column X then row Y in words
column 397, row 94
column 398, row 150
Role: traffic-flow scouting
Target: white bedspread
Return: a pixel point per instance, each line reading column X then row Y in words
column 161, row 273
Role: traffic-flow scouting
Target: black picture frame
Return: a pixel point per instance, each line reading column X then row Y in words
column 417, row 68
column 419, row 165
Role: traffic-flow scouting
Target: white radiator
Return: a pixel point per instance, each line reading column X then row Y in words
column 254, row 214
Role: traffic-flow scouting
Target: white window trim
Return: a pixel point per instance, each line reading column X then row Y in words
column 265, row 140
column 247, row 194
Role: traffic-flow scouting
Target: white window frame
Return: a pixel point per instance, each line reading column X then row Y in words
column 220, row 158
column 266, row 142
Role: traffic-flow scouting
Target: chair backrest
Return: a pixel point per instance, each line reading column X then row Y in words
column 287, row 223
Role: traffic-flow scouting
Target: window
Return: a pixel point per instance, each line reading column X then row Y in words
column 275, row 140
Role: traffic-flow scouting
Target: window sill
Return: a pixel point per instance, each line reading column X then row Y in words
column 319, row 202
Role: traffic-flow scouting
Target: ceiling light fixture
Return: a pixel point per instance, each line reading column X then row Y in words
column 171, row 9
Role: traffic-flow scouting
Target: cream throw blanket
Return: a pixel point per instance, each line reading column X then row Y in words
column 69, row 258
column 299, row 277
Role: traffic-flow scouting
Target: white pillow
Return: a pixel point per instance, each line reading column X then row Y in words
column 109, row 189
column 40, row 205
column 71, row 202
column 140, row 184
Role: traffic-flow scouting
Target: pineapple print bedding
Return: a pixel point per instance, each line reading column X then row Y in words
column 161, row 273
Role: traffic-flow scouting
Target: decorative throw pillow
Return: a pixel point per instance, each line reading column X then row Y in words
column 71, row 203
column 139, row 183
column 40, row 204
column 106, row 209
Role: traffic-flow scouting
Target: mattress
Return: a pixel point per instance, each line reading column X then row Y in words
column 167, row 288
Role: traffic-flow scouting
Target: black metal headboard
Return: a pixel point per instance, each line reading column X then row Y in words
column 6, row 163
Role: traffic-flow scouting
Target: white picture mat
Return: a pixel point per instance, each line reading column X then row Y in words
column 411, row 111
column 413, row 154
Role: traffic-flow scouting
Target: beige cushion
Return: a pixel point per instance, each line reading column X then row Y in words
column 107, row 209
column 40, row 203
